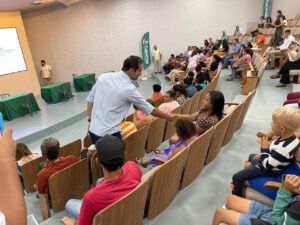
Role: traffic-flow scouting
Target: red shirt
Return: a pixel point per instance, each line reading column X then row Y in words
column 260, row 39
column 42, row 178
column 107, row 192
column 156, row 95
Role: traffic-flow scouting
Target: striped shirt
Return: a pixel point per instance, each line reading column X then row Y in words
column 280, row 155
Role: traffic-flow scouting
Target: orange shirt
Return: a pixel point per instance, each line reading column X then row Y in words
column 156, row 95
column 260, row 39
column 42, row 178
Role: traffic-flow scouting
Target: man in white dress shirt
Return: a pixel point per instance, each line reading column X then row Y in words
column 45, row 73
column 111, row 98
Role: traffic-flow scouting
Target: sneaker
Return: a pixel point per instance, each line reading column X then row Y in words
column 268, row 67
column 281, row 85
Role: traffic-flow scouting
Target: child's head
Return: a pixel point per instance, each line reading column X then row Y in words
column 191, row 74
column 156, row 88
column 285, row 120
column 169, row 96
column 185, row 129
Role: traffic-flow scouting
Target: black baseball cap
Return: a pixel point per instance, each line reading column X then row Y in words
column 110, row 150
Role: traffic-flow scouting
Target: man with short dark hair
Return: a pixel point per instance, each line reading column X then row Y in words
column 111, row 98
column 45, row 72
column 118, row 181
column 50, row 148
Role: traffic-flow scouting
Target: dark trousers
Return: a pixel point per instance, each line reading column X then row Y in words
column 249, row 172
column 95, row 138
column 285, row 70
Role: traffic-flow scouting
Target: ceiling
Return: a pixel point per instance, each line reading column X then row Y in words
column 26, row 5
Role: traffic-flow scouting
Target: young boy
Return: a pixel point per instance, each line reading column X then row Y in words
column 286, row 209
column 156, row 92
column 276, row 155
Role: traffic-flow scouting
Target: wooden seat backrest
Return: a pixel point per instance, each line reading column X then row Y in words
column 217, row 139
column 195, row 102
column 155, row 134
column 129, row 210
column 197, row 152
column 170, row 129
column 165, row 184
column 245, row 109
column 135, row 144
column 236, row 114
column 96, row 170
column 29, row 171
column 72, row 148
column 186, row 107
column 71, row 182
column 130, row 117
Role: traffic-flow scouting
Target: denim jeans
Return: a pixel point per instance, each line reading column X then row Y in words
column 73, row 207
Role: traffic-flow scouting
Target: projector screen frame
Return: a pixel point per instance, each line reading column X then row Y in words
column 19, row 71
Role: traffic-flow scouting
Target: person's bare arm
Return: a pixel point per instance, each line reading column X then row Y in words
column 156, row 112
column 191, row 117
column 89, row 109
column 12, row 203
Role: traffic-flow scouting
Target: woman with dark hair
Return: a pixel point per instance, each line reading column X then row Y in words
column 269, row 23
column 261, row 22
column 240, row 64
column 186, row 132
column 215, row 63
column 279, row 24
column 181, row 94
column 210, row 114
column 206, row 43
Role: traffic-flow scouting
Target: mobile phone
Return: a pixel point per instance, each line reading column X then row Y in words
column 1, row 124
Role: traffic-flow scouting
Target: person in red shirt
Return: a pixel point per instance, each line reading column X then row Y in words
column 260, row 38
column 156, row 92
column 53, row 164
column 117, row 182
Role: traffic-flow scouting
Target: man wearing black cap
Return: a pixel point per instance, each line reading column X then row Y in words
column 118, row 180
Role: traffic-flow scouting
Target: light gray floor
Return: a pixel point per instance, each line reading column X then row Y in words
column 196, row 204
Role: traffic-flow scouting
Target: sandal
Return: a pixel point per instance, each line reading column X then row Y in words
column 140, row 161
column 281, row 85
column 157, row 151
column 229, row 79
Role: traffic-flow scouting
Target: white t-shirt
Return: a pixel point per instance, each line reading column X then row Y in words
column 287, row 41
column 156, row 54
column 46, row 71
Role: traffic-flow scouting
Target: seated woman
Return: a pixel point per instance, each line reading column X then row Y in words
column 223, row 50
column 193, row 60
column 181, row 94
column 201, row 81
column 209, row 115
column 23, row 154
column 240, row 64
column 186, row 132
column 286, row 209
column 215, row 63
column 169, row 102
column 261, row 23
column 293, row 63
column 173, row 74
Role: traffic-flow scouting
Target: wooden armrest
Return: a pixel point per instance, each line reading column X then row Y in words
column 44, row 205
column 68, row 221
column 231, row 103
column 272, row 185
column 160, row 160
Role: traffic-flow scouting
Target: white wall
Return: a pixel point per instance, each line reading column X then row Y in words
column 289, row 8
column 97, row 35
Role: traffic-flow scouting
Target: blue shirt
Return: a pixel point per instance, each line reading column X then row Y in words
column 112, row 96
column 235, row 48
column 191, row 90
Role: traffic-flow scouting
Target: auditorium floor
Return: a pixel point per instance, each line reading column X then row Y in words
column 196, row 204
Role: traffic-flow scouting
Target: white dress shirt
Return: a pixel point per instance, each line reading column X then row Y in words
column 287, row 41
column 112, row 96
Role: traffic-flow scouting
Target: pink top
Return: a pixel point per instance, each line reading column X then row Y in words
column 107, row 192
column 168, row 107
column 246, row 58
column 139, row 114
